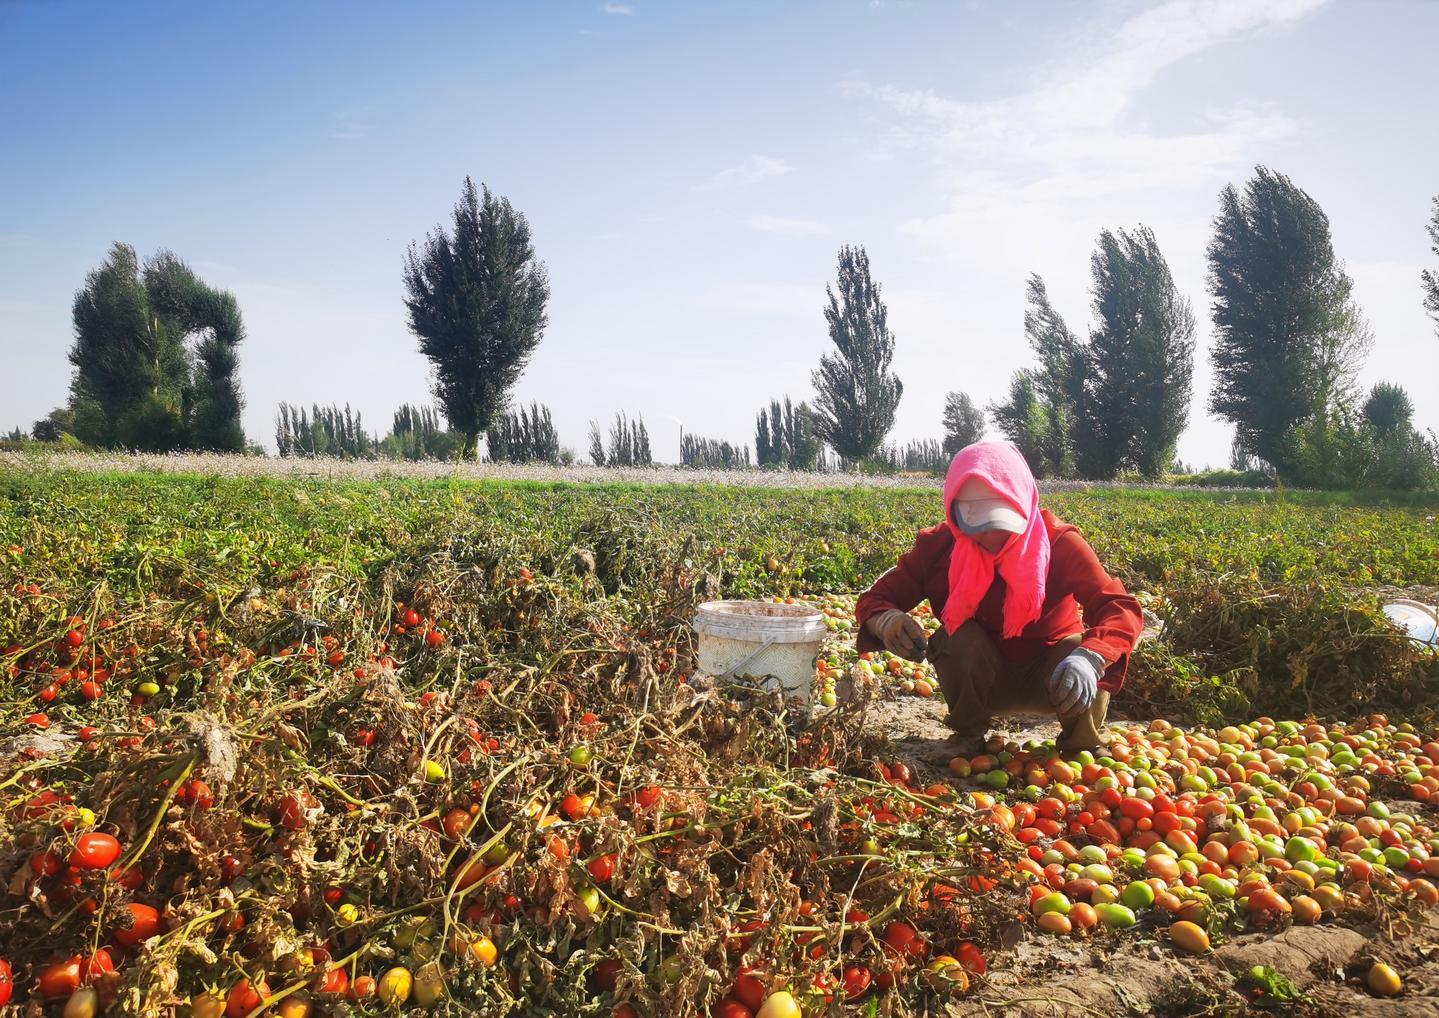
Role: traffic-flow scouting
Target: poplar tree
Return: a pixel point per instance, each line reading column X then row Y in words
column 476, row 299
column 857, row 394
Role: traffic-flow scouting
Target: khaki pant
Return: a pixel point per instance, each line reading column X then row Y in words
column 979, row 684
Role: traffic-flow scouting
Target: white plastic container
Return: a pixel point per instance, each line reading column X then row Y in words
column 1419, row 620
column 760, row 638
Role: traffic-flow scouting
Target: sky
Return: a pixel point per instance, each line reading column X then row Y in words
column 689, row 170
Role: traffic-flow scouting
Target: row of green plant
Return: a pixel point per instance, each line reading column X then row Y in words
column 1266, row 592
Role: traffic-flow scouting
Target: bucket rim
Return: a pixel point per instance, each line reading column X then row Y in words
column 772, row 614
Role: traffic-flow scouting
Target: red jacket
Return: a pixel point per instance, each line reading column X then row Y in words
column 1111, row 621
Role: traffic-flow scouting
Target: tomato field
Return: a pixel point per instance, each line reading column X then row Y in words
column 289, row 746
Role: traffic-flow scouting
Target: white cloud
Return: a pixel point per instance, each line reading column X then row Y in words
column 1068, row 137
column 623, row 10
column 1028, row 180
column 751, row 171
column 785, row 226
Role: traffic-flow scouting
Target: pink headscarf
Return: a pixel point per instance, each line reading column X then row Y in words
column 1023, row 563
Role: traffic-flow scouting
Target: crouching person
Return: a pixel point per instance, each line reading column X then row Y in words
column 1030, row 620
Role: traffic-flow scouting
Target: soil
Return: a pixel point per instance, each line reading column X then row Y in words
column 1137, row 974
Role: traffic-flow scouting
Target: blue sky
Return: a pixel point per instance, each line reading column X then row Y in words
column 689, row 170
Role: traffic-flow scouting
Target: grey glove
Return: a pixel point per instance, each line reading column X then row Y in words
column 1075, row 682
column 900, row 633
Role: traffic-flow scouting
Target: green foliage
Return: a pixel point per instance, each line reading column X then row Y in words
column 963, row 422
column 323, row 431
column 629, row 444
column 1062, row 364
column 1037, row 429
column 1375, row 448
column 857, row 395
column 711, row 454
column 418, row 433
column 154, row 357
column 526, row 436
column 597, row 445
column 786, row 437
column 926, row 456
column 1289, row 337
column 1222, row 479
column 1266, row 594
column 1139, row 362
column 1389, row 410
column 476, row 300
column 54, row 425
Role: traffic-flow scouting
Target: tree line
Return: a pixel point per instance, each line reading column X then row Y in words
column 156, row 365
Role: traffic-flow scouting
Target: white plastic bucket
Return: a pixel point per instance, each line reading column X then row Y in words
column 761, row 638
column 1419, row 620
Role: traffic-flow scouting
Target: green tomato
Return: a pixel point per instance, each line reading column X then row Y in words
column 1052, row 902
column 1115, row 916
column 1396, row 857
column 1137, row 894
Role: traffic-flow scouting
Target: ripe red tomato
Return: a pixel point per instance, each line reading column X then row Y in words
column 60, row 978
column 129, row 879
column 74, row 638
column 244, row 997
column 334, row 980
column 412, row 618
column 434, row 638
column 292, row 810
column 626, row 1011
column 201, row 795
column 88, row 733
column 602, row 868
column 96, row 965
column 95, row 851
column 607, row 974
column 45, row 864
column 731, row 1008
column 362, row 987
column 91, row 690
column 749, row 989
column 7, row 982
column 856, row 982
column 647, row 797
column 144, row 924
column 899, row 936
column 972, row 958
column 457, row 821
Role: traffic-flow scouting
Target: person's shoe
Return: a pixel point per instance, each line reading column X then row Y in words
column 965, row 745
column 1076, row 746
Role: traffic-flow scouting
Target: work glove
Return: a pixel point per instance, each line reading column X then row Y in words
column 900, row 634
column 1075, row 682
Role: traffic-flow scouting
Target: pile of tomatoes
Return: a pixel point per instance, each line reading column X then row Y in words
column 840, row 654
column 1252, row 827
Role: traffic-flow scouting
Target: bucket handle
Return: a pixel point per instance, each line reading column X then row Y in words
column 732, row 669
